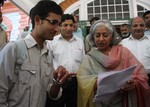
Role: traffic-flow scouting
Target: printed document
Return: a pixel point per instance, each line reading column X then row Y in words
column 109, row 83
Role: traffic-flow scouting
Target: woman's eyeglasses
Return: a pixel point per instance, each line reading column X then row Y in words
column 52, row 22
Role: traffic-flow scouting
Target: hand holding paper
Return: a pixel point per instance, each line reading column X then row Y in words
column 110, row 82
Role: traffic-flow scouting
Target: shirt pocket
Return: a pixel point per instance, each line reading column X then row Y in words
column 48, row 75
column 78, row 55
column 26, row 73
column 24, row 83
column 57, row 55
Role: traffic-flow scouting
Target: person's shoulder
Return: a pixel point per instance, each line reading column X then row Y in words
column 78, row 39
column 87, row 58
column 124, row 41
column 79, row 29
column 10, row 46
column 123, row 48
column 57, row 37
column 3, row 32
column 55, row 40
column 24, row 34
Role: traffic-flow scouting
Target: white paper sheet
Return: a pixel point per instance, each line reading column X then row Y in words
column 109, row 83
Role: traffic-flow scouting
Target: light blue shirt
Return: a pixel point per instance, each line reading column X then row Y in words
column 78, row 33
column 147, row 32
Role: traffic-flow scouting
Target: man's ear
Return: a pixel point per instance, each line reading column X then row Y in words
column 37, row 19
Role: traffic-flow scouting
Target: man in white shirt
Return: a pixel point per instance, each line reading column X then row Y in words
column 68, row 51
column 138, row 43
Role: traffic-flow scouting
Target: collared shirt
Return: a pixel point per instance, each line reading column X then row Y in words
column 125, row 36
column 78, row 33
column 140, row 49
column 28, row 87
column 67, row 53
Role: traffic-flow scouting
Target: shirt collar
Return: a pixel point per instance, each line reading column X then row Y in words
column 144, row 37
column 30, row 42
column 60, row 38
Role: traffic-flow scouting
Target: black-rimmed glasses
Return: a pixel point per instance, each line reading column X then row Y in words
column 52, row 22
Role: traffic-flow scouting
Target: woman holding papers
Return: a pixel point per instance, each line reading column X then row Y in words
column 106, row 57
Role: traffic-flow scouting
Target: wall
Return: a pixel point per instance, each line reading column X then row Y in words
column 14, row 20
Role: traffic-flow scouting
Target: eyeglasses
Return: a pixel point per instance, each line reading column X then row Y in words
column 52, row 22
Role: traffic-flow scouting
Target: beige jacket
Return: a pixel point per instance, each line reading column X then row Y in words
column 28, row 87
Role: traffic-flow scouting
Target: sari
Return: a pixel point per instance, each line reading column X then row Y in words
column 96, row 63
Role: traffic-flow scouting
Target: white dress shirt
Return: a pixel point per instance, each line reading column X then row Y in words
column 67, row 53
column 140, row 49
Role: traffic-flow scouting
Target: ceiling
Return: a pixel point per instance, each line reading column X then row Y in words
column 24, row 5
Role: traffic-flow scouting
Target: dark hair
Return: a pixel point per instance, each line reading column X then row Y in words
column 124, row 25
column 94, row 19
column 42, row 9
column 147, row 12
column 1, row 3
column 67, row 17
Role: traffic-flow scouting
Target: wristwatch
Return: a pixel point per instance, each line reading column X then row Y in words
column 55, row 82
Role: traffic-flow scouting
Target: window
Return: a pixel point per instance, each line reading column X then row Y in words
column 109, row 9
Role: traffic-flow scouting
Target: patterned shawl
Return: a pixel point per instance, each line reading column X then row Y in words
column 96, row 62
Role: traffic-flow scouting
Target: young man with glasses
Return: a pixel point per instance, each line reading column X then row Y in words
column 27, row 85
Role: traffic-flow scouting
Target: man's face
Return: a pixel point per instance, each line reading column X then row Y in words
column 147, row 20
column 124, row 30
column 48, row 26
column 138, row 27
column 66, row 29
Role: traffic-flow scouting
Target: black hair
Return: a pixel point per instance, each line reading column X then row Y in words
column 67, row 17
column 147, row 12
column 94, row 19
column 124, row 24
column 1, row 3
column 42, row 9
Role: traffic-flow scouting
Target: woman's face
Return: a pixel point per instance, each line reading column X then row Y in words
column 102, row 38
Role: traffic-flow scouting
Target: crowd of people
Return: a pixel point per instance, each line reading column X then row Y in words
column 54, row 66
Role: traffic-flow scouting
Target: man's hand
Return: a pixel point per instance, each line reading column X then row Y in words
column 60, row 75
